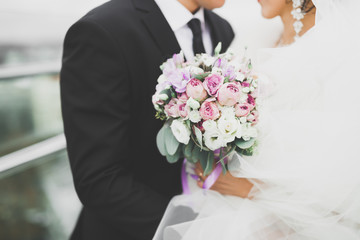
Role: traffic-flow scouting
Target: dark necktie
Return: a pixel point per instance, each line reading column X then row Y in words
column 198, row 45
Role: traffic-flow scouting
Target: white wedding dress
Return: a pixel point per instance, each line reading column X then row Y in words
column 307, row 169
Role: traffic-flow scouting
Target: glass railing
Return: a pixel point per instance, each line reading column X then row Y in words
column 37, row 196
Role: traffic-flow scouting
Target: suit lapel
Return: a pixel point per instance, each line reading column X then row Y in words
column 216, row 30
column 158, row 27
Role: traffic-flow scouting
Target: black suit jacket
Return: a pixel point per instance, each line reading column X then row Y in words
column 110, row 68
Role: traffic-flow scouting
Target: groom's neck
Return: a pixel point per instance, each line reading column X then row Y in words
column 191, row 5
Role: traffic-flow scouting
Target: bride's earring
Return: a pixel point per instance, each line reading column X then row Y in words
column 298, row 15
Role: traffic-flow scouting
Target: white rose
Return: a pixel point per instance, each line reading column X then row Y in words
column 180, row 131
column 194, row 116
column 193, row 104
column 229, row 128
column 240, row 76
column 213, row 140
column 248, row 131
column 210, row 125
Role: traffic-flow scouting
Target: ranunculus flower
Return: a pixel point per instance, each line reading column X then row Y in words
column 195, row 89
column 229, row 94
column 172, row 109
column 181, row 131
column 243, row 109
column 209, row 110
column 183, row 109
column 212, row 83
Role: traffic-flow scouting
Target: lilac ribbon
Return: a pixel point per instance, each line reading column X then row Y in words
column 210, row 180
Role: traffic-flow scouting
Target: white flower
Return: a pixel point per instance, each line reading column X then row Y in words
column 210, row 125
column 163, row 97
column 194, row 116
column 208, row 60
column 239, row 76
column 180, row 131
column 229, row 128
column 195, row 70
column 243, row 120
column 227, row 112
column 217, row 70
column 193, row 104
column 246, row 90
column 161, row 79
column 248, row 131
column 213, row 140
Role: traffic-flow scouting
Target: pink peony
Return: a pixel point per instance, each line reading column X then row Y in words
column 182, row 97
column 209, row 110
column 229, row 94
column 195, row 89
column 251, row 101
column 172, row 108
column 183, row 110
column 253, row 117
column 212, row 83
column 243, row 109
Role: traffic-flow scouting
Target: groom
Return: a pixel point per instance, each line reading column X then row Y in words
column 110, row 67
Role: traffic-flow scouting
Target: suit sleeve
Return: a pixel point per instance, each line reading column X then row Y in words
column 96, row 102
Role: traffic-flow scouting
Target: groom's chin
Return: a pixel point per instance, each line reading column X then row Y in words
column 211, row 4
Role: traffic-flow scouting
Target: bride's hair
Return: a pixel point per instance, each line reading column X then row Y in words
column 307, row 5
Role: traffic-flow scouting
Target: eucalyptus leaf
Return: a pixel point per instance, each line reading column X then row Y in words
column 209, row 163
column 160, row 141
column 188, row 149
column 242, row 144
column 202, row 76
column 171, row 143
column 195, row 155
column 174, row 158
column 198, row 135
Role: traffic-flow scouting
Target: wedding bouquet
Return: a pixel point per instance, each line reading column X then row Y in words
column 209, row 105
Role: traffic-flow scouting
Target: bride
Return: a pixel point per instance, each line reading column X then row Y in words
column 304, row 182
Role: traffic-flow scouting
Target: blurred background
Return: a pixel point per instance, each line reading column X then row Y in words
column 37, row 197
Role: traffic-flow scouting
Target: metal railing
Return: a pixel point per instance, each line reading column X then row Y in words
column 41, row 149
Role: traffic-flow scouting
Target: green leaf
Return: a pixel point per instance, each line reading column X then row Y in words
column 195, row 155
column 174, row 158
column 198, row 135
column 209, row 163
column 160, row 141
column 218, row 49
column 188, row 149
column 201, row 77
column 171, row 143
column 240, row 143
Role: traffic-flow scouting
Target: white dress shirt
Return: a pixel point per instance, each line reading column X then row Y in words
column 178, row 16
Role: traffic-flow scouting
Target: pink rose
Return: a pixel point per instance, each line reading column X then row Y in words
column 183, row 109
column 182, row 97
column 251, row 101
column 209, row 110
column 243, row 109
column 253, row 117
column 195, row 89
column 172, row 108
column 212, row 83
column 229, row 94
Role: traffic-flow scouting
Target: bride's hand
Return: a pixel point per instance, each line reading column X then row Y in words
column 227, row 184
